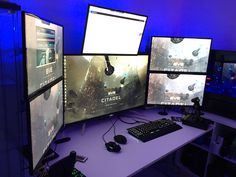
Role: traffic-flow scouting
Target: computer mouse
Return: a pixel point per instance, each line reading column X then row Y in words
column 120, row 139
column 112, row 147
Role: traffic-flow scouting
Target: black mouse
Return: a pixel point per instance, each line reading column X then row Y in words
column 120, row 139
column 112, row 147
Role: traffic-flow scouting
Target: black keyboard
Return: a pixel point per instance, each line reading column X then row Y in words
column 154, row 129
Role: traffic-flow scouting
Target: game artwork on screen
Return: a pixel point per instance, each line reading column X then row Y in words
column 46, row 112
column 44, row 52
column 179, row 54
column 229, row 79
column 175, row 89
column 96, row 85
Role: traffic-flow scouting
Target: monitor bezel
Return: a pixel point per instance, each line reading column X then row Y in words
column 33, row 168
column 220, row 56
column 86, row 24
column 168, row 105
column 112, row 113
column 187, row 37
column 28, row 98
column 24, row 13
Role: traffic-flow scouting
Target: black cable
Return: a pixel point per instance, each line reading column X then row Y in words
column 135, row 121
column 135, row 115
column 103, row 136
column 143, row 119
column 127, row 122
column 114, row 130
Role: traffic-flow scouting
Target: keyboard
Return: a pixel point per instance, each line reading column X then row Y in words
column 153, row 129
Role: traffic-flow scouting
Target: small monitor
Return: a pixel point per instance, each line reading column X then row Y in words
column 46, row 119
column 99, row 85
column 43, row 51
column 180, row 54
column 229, row 79
column 175, row 89
column 112, row 32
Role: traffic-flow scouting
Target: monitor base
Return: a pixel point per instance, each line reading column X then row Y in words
column 50, row 155
column 62, row 140
column 163, row 112
column 197, row 122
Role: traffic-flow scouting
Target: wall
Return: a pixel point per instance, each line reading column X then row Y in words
column 195, row 18
column 10, row 96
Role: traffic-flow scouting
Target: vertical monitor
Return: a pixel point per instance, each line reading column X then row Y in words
column 99, row 85
column 46, row 119
column 229, row 79
column 175, row 89
column 112, row 32
column 180, row 54
column 44, row 51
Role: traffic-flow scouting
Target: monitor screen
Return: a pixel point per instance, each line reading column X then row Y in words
column 112, row 32
column 175, row 89
column 46, row 118
column 100, row 85
column 180, row 54
column 229, row 79
column 44, row 51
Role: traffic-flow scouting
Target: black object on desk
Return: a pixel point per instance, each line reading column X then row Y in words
column 163, row 112
column 197, row 122
column 195, row 119
column 154, row 129
column 65, row 167
column 77, row 173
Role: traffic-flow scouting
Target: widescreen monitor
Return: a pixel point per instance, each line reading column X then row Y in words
column 99, row 85
column 180, row 54
column 112, row 32
column 175, row 89
column 43, row 42
column 46, row 119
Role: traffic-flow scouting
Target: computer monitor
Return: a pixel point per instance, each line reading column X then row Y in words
column 46, row 119
column 97, row 85
column 180, row 54
column 175, row 89
column 43, row 43
column 229, row 79
column 110, row 31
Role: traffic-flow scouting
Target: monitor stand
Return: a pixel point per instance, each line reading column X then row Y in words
column 83, row 128
column 62, row 140
column 50, row 155
column 163, row 112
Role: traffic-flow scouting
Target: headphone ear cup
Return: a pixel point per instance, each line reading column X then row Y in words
column 113, row 147
column 120, row 139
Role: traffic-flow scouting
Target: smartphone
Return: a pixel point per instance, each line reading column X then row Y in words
column 81, row 158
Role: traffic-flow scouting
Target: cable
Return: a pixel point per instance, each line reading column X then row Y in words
column 127, row 122
column 103, row 136
column 114, row 129
column 135, row 121
column 143, row 119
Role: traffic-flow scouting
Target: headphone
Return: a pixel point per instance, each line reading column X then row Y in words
column 114, row 146
column 109, row 70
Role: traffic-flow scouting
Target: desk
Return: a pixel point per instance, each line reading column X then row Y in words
column 134, row 156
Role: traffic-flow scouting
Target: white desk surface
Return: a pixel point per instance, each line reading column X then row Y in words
column 134, row 156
